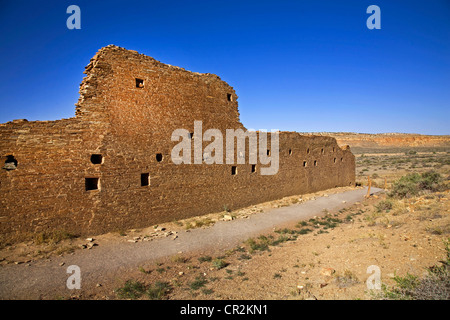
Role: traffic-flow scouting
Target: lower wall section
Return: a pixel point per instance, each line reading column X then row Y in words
column 125, row 186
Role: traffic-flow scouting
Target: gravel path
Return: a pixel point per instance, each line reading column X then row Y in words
column 47, row 278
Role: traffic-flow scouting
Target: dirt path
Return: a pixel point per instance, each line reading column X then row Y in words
column 109, row 261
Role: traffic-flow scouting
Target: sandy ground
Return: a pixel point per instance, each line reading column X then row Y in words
column 33, row 271
column 323, row 264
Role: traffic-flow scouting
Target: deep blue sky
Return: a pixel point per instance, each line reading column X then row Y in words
column 296, row 65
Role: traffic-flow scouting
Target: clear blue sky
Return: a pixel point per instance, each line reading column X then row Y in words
column 296, row 65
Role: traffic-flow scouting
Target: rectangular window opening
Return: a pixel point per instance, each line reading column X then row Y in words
column 139, row 83
column 253, row 168
column 233, row 170
column 91, row 183
column 145, row 179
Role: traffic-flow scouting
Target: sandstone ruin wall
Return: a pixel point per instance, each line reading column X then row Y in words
column 109, row 168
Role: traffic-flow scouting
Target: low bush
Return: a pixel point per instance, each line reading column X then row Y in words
column 384, row 205
column 414, row 184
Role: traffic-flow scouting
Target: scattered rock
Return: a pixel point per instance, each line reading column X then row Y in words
column 91, row 245
column 227, row 217
column 327, row 272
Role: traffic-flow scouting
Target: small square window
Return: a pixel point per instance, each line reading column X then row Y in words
column 91, row 183
column 139, row 83
column 96, row 158
column 145, row 179
column 10, row 163
column 159, row 157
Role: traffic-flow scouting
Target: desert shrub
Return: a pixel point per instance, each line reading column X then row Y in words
column 198, row 283
column 158, row 290
column 219, row 263
column 260, row 244
column 413, row 184
column 431, row 180
column 131, row 290
column 205, row 259
column 304, row 231
column 384, row 205
column 136, row 289
column 53, row 237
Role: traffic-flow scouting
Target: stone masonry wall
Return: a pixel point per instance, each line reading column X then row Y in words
column 120, row 140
